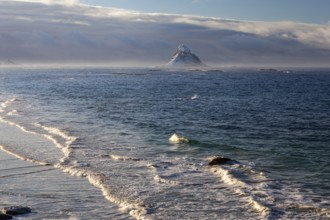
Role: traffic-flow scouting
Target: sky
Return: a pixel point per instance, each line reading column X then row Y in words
column 316, row 11
column 72, row 31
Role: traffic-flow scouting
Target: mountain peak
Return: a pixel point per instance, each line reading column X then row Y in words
column 183, row 57
column 183, row 48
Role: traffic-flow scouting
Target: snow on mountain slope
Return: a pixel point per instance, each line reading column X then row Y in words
column 183, row 57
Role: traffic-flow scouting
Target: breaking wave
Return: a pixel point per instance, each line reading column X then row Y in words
column 176, row 139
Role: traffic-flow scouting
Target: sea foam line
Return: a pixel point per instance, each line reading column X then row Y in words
column 137, row 210
column 6, row 103
column 65, row 149
column 56, row 131
column 261, row 199
column 148, row 164
column 246, row 191
column 4, row 149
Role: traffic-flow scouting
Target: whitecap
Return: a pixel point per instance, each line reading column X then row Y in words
column 6, row 103
column 122, row 158
column 160, row 179
column 230, row 175
column 194, row 97
column 176, row 139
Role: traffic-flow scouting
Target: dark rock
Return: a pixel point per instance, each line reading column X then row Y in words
column 16, row 210
column 5, row 217
column 219, row 161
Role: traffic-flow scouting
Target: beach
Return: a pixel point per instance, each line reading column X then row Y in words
column 49, row 192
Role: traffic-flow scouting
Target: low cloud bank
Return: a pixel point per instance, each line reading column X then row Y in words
column 69, row 32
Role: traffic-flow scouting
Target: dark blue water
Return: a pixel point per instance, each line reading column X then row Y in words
column 276, row 126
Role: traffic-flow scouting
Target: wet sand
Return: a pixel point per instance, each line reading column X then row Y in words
column 50, row 193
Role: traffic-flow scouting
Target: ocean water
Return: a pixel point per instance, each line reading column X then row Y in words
column 113, row 127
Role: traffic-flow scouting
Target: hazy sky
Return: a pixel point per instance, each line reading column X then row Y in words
column 66, row 31
column 311, row 11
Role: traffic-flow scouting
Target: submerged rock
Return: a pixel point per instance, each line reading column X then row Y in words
column 219, row 161
column 16, row 210
column 5, row 217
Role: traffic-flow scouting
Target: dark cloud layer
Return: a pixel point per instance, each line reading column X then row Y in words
column 48, row 33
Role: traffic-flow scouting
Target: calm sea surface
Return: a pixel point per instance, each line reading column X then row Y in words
column 113, row 126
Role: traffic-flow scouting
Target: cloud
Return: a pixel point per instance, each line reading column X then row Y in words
column 52, row 2
column 35, row 32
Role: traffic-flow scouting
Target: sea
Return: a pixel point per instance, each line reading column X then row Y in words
column 144, row 138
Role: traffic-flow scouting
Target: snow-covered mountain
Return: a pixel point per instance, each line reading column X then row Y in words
column 183, row 58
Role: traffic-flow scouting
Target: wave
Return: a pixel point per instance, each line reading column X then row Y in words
column 49, row 133
column 63, row 141
column 123, row 158
column 194, row 97
column 310, row 211
column 6, row 103
column 136, row 209
column 176, row 139
column 12, row 113
column 164, row 180
column 271, row 198
column 17, row 155
column 148, row 164
column 55, row 132
column 66, row 149
column 251, row 186
column 256, row 195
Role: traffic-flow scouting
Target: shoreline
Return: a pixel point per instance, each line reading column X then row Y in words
column 29, row 177
column 50, row 193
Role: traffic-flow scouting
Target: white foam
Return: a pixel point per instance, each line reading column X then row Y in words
column 159, row 179
column 300, row 204
column 176, row 139
column 34, row 144
column 245, row 190
column 55, row 131
column 137, row 210
column 4, row 149
column 324, row 212
column 122, row 158
column 52, row 132
column 194, row 97
column 6, row 103
column 16, row 125
column 12, row 113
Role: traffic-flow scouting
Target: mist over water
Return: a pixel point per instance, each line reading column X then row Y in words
column 115, row 127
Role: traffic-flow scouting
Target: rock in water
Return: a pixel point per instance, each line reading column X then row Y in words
column 5, row 217
column 184, row 58
column 16, row 210
column 219, row 161
column 176, row 139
